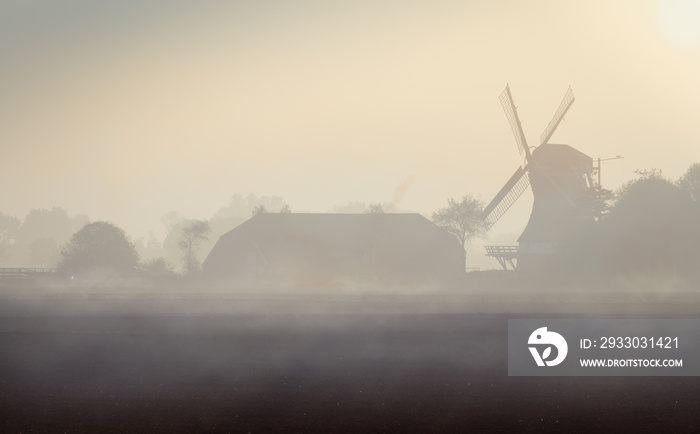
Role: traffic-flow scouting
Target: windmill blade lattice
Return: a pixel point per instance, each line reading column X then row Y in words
column 512, row 115
column 506, row 197
column 558, row 116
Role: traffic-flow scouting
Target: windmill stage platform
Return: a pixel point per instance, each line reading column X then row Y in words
column 505, row 255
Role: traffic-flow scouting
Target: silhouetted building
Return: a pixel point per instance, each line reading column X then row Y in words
column 328, row 247
column 562, row 190
column 563, row 185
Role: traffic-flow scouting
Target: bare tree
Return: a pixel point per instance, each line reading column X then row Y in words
column 192, row 236
column 462, row 219
column 375, row 208
column 260, row 209
column 171, row 220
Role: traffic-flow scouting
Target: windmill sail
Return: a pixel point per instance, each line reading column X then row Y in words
column 512, row 115
column 558, row 116
column 505, row 198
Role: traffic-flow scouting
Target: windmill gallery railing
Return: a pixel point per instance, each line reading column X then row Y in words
column 504, row 255
column 14, row 273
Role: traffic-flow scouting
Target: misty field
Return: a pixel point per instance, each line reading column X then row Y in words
column 278, row 364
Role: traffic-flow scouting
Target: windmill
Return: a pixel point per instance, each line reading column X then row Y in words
column 561, row 178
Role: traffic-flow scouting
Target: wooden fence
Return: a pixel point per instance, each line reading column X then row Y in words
column 21, row 273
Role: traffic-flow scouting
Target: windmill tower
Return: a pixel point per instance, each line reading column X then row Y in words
column 561, row 178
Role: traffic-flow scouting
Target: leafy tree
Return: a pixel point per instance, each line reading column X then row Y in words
column 462, row 219
column 158, row 268
column 601, row 202
column 51, row 224
column 690, row 182
column 43, row 224
column 44, row 252
column 285, row 209
column 174, row 223
column 9, row 228
column 193, row 234
column 98, row 246
column 649, row 200
column 650, row 227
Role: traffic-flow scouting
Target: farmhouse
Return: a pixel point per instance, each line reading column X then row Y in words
column 327, row 247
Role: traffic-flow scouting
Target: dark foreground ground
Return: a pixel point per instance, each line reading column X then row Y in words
column 122, row 367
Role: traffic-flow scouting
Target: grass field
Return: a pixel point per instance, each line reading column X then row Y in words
column 97, row 362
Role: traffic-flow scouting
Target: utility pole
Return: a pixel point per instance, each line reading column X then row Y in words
column 616, row 157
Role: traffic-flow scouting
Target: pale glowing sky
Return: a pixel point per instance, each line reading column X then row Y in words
column 125, row 111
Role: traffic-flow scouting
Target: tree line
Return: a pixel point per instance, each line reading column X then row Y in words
column 651, row 227
column 648, row 225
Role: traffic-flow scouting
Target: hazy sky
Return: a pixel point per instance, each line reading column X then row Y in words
column 125, row 110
